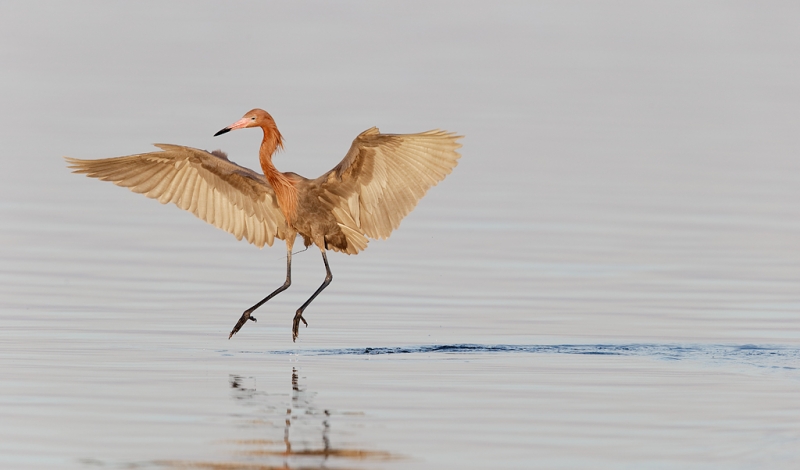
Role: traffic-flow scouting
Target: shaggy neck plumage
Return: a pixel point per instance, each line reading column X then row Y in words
column 284, row 187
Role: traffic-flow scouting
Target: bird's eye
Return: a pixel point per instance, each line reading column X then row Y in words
column 253, row 118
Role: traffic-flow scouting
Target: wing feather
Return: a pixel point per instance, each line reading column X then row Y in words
column 222, row 193
column 203, row 210
column 176, row 190
column 170, row 190
column 383, row 176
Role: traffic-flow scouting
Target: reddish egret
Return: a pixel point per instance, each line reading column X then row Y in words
column 366, row 195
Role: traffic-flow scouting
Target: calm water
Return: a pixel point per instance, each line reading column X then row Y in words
column 609, row 279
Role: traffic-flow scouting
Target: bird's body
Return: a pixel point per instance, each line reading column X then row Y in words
column 366, row 195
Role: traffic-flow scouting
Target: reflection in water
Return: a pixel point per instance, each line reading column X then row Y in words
column 306, row 440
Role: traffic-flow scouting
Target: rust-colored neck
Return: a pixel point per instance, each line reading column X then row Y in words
column 285, row 189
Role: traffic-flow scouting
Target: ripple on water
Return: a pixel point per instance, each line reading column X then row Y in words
column 764, row 356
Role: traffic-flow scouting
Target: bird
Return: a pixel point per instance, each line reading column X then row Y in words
column 365, row 196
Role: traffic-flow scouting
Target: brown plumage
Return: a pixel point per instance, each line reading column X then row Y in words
column 366, row 195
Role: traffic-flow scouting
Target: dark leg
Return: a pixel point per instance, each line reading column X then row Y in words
column 298, row 317
column 246, row 315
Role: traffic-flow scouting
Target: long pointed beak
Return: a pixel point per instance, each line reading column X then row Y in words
column 240, row 124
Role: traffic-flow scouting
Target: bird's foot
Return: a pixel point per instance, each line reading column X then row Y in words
column 242, row 320
column 298, row 317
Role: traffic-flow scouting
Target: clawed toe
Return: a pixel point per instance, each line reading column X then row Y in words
column 296, row 325
column 242, row 320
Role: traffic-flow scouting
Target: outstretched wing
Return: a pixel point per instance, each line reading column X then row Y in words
column 383, row 176
column 222, row 193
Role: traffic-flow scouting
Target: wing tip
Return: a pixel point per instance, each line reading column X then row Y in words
column 369, row 132
column 77, row 165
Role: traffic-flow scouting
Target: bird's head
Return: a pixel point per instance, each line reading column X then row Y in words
column 254, row 118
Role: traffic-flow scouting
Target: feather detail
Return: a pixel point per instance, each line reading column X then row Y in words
column 210, row 186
